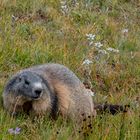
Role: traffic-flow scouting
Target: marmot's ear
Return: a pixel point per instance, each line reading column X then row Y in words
column 10, row 84
column 19, row 78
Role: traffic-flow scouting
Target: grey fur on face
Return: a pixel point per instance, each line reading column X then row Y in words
column 27, row 84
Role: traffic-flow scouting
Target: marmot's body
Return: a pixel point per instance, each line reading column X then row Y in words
column 50, row 88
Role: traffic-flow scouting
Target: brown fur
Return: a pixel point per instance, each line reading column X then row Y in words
column 40, row 107
column 13, row 103
column 64, row 99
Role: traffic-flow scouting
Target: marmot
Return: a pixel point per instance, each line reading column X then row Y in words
column 48, row 88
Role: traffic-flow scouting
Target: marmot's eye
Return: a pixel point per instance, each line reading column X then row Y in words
column 27, row 82
column 19, row 79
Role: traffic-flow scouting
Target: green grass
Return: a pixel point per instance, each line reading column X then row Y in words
column 35, row 32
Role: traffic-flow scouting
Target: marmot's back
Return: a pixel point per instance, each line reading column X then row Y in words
column 57, row 72
column 64, row 92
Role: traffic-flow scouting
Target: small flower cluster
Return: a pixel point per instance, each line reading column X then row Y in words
column 64, row 7
column 87, row 62
column 102, row 52
column 98, row 45
column 14, row 131
column 90, row 38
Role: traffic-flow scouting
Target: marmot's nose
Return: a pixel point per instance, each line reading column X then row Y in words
column 38, row 92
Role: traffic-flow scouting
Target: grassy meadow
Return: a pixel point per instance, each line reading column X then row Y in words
column 98, row 39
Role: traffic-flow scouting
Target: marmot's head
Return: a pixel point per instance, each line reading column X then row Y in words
column 27, row 84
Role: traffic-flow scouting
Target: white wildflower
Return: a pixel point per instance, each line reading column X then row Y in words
column 64, row 7
column 90, row 37
column 112, row 50
column 87, row 62
column 124, row 31
column 98, row 44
